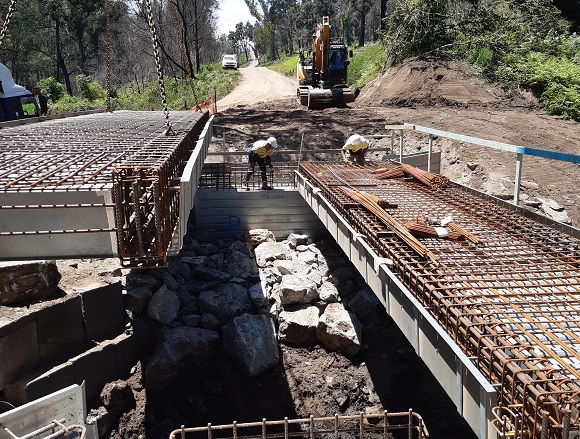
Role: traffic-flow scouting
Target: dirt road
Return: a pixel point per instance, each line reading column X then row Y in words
column 258, row 85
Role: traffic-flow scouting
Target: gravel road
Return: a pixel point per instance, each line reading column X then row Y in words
column 258, row 84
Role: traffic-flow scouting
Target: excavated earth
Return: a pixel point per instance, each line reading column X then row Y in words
column 385, row 374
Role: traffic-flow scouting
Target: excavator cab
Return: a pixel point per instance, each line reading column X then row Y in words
column 322, row 72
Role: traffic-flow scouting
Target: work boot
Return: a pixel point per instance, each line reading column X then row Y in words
column 265, row 186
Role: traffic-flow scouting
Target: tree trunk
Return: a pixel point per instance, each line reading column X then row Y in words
column 61, row 66
column 383, row 14
column 361, row 37
column 197, row 49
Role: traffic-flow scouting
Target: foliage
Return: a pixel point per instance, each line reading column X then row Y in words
column 89, row 90
column 416, row 27
column 69, row 104
column 51, row 88
column 562, row 100
column 285, row 66
column 366, row 64
column 180, row 94
column 518, row 43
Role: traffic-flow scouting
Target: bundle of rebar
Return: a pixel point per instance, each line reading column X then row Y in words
column 384, row 173
column 381, row 202
column 470, row 237
column 434, row 181
column 427, row 231
column 369, row 203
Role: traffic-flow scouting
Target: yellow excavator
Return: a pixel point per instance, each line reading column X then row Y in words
column 322, row 71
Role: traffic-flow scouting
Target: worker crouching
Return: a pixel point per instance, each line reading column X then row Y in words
column 261, row 154
column 356, row 146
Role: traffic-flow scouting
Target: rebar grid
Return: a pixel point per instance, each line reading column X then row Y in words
column 127, row 153
column 229, row 176
column 512, row 302
column 80, row 152
column 385, row 425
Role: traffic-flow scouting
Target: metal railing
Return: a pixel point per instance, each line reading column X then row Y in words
column 520, row 151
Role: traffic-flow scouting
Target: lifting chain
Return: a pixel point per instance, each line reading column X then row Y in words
column 108, row 32
column 4, row 30
column 169, row 128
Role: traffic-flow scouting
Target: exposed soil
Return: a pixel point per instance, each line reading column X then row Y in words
column 386, row 375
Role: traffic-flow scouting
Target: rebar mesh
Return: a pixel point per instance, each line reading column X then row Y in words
column 512, row 302
column 386, row 425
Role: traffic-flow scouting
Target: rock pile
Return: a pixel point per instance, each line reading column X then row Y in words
column 249, row 296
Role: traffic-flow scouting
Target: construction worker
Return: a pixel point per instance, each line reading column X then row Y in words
column 357, row 147
column 260, row 153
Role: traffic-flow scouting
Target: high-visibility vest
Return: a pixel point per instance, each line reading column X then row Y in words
column 261, row 149
column 355, row 143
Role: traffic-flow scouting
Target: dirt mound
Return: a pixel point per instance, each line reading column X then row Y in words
column 431, row 82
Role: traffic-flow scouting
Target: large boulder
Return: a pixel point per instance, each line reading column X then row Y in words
column 27, row 281
column 225, row 301
column 298, row 326
column 339, row 330
column 364, row 303
column 270, row 251
column 208, row 274
column 241, row 265
column 136, row 299
column 258, row 294
column 292, row 267
column 256, row 237
column 181, row 349
column 297, row 289
column 554, row 210
column 250, row 340
column 328, row 292
column 164, row 305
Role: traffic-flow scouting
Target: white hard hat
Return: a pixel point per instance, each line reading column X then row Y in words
column 355, row 140
column 272, row 141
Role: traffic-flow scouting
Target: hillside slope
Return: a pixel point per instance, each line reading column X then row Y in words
column 448, row 95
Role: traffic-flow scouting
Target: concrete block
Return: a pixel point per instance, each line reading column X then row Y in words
column 19, row 353
column 12, row 319
column 96, row 367
column 127, row 349
column 104, row 312
column 37, row 385
column 60, row 328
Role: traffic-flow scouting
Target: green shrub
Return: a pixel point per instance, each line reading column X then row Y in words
column 68, row 104
column 51, row 88
column 180, row 93
column 89, row 90
column 366, row 64
column 562, row 100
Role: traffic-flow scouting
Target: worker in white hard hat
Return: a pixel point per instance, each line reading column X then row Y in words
column 260, row 153
column 356, row 146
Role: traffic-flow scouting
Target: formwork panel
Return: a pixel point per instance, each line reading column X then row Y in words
column 232, row 213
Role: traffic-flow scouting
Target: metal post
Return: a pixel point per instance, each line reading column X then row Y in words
column 430, row 151
column 519, row 160
column 392, row 142
column 401, row 146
